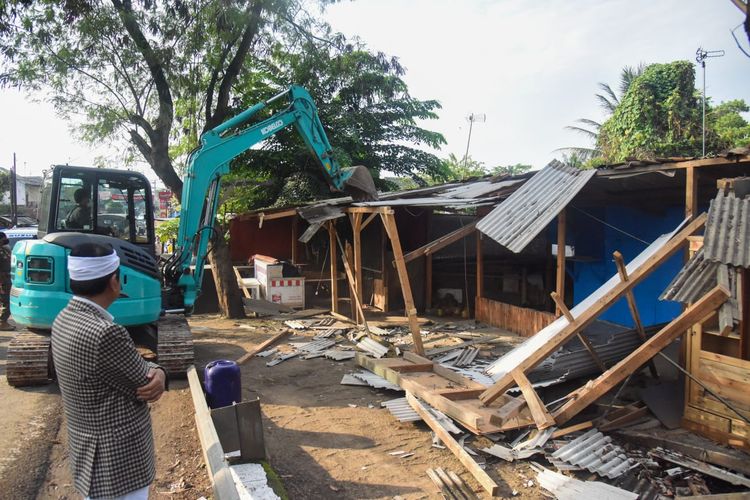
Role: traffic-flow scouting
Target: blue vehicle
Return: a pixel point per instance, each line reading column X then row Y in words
column 82, row 204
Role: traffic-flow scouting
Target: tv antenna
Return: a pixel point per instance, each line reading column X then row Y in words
column 700, row 56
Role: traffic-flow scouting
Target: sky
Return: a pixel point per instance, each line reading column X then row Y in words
column 531, row 67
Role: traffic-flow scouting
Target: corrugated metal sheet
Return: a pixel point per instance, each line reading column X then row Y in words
column 727, row 237
column 569, row 488
column 376, row 381
column 432, row 201
column 595, row 452
column 518, row 219
column 696, row 279
column 375, row 348
column 402, row 410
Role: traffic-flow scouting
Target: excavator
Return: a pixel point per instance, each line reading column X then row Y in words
column 81, row 204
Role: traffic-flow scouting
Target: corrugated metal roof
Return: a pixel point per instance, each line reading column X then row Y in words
column 695, row 280
column 402, row 410
column 518, row 219
column 727, row 237
column 373, row 347
column 569, row 488
column 595, row 452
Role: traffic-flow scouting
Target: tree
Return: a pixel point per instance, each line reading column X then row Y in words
column 518, row 168
column 452, row 169
column 732, row 129
column 608, row 100
column 160, row 73
column 660, row 115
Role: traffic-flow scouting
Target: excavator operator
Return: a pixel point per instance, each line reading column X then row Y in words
column 80, row 216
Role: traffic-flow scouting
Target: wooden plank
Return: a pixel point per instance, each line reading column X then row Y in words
column 444, row 372
column 560, row 276
column 520, row 320
column 369, row 219
column 357, row 234
column 511, row 409
column 457, row 394
column 630, row 297
column 353, row 291
column 440, row 243
column 213, row 455
column 467, row 343
column 363, row 210
column 573, row 428
column 479, row 474
column 539, row 412
column 600, row 386
column 669, row 248
column 616, row 423
column 691, row 192
column 245, row 292
column 403, row 277
column 334, row 264
column 262, row 347
column 347, row 256
column 584, row 340
column 428, row 282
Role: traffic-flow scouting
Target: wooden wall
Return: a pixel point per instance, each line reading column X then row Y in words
column 521, row 320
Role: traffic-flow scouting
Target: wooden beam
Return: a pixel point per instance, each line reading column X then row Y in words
column 365, row 210
column 479, row 474
column 334, row 267
column 623, row 272
column 403, row 277
column 368, row 220
column 539, row 412
column 480, row 268
column 350, row 279
column 428, row 281
column 245, row 292
column 357, row 233
column 606, row 381
column 262, row 347
column 691, row 193
column 560, row 277
column 213, row 454
column 511, row 409
column 670, row 247
column 584, row 340
column 348, row 256
column 444, row 372
column 573, row 428
column 441, row 242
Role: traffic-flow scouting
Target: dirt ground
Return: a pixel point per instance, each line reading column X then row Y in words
column 325, row 440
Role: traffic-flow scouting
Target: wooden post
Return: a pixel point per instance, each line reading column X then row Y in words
column 403, row 276
column 294, row 240
column 560, row 282
column 584, row 340
column 691, row 193
column 480, row 267
column 348, row 256
column 606, row 381
column 623, row 272
column 428, row 281
column 539, row 412
column 357, row 232
column 334, row 267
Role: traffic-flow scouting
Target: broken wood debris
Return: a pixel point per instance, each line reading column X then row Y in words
column 702, row 467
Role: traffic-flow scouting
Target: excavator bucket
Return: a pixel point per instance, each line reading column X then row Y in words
column 359, row 184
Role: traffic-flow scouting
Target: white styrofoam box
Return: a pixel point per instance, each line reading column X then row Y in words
column 267, row 268
column 287, row 291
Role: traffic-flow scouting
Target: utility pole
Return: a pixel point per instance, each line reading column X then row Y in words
column 700, row 56
column 13, row 194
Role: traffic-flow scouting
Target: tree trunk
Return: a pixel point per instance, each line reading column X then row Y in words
column 230, row 300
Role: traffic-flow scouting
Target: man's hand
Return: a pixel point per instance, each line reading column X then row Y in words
column 153, row 390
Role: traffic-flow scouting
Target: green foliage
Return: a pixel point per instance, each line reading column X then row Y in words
column 660, row 115
column 729, row 124
column 4, row 182
column 166, row 231
column 518, row 168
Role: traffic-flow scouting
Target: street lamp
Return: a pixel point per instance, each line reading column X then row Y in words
column 700, row 56
column 473, row 117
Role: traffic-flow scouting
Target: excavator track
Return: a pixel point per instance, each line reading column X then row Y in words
column 174, row 349
column 28, row 359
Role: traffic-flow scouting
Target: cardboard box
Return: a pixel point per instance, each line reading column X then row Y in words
column 287, row 291
column 267, row 268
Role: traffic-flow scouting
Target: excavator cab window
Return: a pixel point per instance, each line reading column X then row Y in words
column 74, row 210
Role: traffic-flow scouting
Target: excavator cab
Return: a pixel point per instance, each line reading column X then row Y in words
column 107, row 202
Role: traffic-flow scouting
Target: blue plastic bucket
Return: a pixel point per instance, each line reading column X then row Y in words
column 223, row 385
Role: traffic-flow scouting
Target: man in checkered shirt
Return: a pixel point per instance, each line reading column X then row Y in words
column 106, row 386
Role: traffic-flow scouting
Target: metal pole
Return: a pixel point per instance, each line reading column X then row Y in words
column 471, row 125
column 13, row 194
column 703, row 64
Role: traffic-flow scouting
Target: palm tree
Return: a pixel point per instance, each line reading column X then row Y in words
column 608, row 100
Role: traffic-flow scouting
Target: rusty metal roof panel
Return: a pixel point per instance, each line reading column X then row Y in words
column 526, row 212
column 727, row 237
